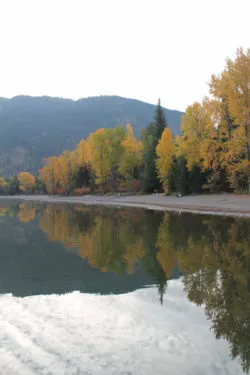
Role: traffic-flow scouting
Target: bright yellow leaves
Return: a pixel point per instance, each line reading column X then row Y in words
column 165, row 153
column 67, row 167
column 58, row 173
column 49, row 174
column 132, row 153
column 82, row 153
column 216, row 133
column 27, row 182
column 238, row 90
column 100, row 160
column 193, row 127
column 105, row 154
column 232, row 90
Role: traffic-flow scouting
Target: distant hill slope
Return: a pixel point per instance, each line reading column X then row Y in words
column 33, row 128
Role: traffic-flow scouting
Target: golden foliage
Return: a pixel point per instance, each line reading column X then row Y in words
column 133, row 153
column 99, row 155
column 216, row 133
column 165, row 153
column 27, row 181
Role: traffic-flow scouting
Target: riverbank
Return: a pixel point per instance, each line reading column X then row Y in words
column 216, row 204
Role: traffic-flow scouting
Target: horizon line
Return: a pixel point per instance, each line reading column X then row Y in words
column 84, row 98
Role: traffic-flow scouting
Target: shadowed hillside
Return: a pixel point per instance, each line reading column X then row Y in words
column 33, row 128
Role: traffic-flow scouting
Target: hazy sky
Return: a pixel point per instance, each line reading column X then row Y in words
column 133, row 48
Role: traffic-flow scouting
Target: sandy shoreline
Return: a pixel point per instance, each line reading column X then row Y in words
column 217, row 204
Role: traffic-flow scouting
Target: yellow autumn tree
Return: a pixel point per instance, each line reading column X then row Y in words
column 232, row 89
column 114, row 139
column 99, row 156
column 68, row 167
column 193, row 126
column 27, row 182
column 59, row 173
column 211, row 143
column 83, row 154
column 132, row 153
column 165, row 155
column 50, row 174
column 105, row 153
column 201, row 142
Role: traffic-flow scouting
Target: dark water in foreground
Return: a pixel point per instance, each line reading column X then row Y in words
column 58, row 248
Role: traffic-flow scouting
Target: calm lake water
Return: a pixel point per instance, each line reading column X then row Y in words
column 91, row 290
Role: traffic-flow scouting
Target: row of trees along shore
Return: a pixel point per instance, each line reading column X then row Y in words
column 212, row 153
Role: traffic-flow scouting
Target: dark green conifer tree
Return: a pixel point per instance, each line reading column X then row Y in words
column 150, row 138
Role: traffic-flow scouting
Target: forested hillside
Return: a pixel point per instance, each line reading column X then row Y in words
column 33, row 128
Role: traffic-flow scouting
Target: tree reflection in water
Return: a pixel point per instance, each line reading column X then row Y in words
column 212, row 253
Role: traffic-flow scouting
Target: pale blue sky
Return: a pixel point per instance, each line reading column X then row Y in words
column 133, row 48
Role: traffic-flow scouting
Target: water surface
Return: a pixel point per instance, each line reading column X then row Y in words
column 170, row 291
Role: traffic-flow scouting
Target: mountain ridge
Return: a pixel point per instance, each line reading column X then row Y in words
column 17, row 97
column 35, row 127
